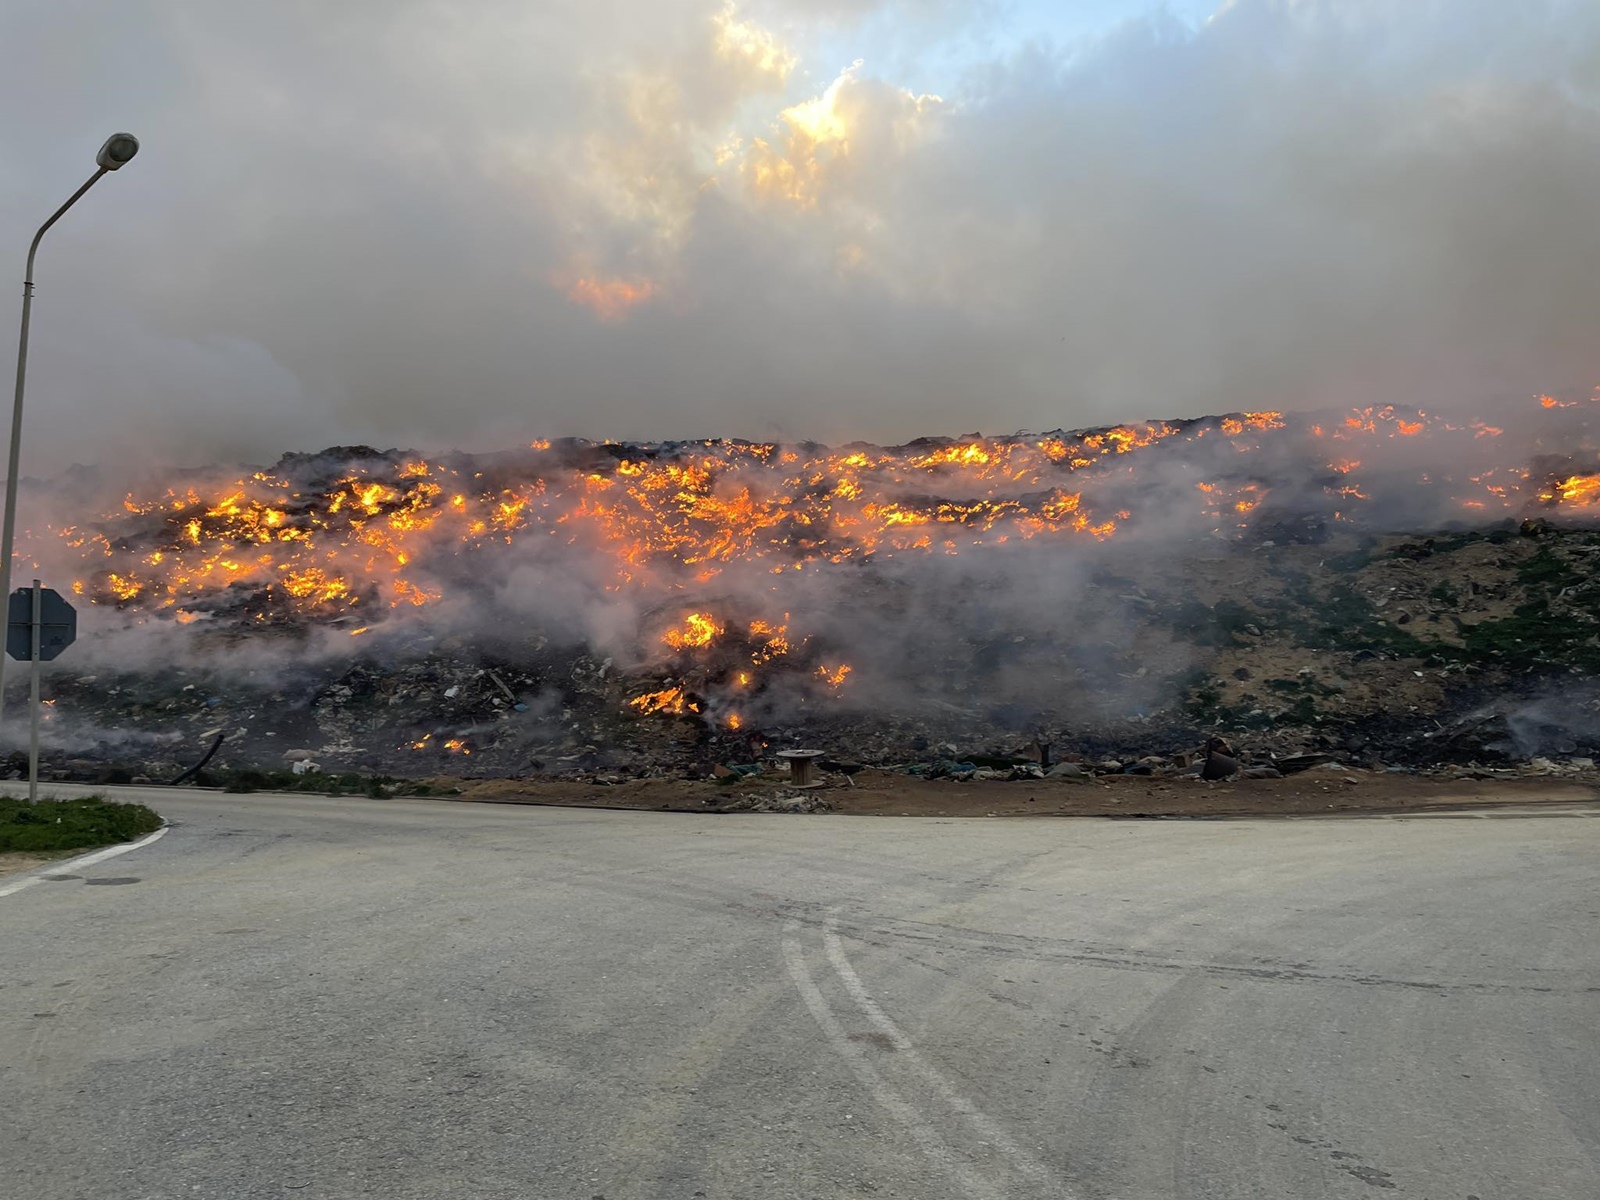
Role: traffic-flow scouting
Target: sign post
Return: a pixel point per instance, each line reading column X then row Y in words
column 39, row 626
column 33, row 698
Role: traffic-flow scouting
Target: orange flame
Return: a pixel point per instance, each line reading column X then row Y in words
column 834, row 677
column 382, row 535
column 673, row 701
column 1577, row 491
column 700, row 629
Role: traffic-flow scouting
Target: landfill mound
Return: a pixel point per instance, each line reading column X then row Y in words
column 619, row 611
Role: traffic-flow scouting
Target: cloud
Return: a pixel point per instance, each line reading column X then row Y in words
column 755, row 53
column 819, row 148
column 415, row 223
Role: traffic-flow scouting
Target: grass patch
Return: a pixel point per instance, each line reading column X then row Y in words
column 1450, row 543
column 270, row 779
column 71, row 824
column 1545, row 568
column 1220, row 624
column 1445, row 593
column 1354, row 560
column 1533, row 636
column 1346, row 620
column 1204, row 705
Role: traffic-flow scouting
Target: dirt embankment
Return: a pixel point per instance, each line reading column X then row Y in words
column 885, row 793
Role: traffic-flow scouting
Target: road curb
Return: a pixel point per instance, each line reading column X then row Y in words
column 29, row 878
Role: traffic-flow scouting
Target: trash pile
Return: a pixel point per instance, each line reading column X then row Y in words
column 1288, row 683
column 1058, row 605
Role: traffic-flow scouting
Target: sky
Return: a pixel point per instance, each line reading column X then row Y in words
column 434, row 223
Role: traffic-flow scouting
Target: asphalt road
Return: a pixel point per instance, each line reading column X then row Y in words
column 347, row 998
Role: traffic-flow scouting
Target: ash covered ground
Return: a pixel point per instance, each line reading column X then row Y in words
column 1377, row 586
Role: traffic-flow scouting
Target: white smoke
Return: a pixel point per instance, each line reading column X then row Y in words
column 381, row 224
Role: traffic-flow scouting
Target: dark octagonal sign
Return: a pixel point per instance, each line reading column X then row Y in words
column 58, row 624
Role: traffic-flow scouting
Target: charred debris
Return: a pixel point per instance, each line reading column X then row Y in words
column 1471, row 650
column 1260, row 619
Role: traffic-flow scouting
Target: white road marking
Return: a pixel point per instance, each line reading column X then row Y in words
column 83, row 860
column 927, row 1138
column 1024, row 1162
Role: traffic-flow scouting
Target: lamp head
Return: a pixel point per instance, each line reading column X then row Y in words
column 118, row 150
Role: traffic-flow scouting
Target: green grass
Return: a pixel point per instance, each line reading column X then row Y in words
column 71, row 824
column 1545, row 568
column 1450, row 543
column 1345, row 620
column 1446, row 593
column 273, row 779
column 1354, row 560
column 1220, row 624
column 1535, row 637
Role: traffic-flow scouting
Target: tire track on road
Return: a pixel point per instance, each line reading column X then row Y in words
column 935, row 1147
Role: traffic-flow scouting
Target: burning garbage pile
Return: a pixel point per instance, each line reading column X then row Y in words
column 619, row 609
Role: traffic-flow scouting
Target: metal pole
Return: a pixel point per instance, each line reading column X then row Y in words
column 8, row 536
column 33, row 697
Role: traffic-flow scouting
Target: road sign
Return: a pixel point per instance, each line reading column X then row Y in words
column 58, row 624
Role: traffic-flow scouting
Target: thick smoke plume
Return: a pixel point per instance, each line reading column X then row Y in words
column 400, row 224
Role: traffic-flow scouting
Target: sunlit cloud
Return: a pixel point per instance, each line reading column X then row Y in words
column 755, row 52
column 610, row 299
column 812, row 143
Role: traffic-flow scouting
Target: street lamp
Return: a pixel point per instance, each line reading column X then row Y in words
column 114, row 155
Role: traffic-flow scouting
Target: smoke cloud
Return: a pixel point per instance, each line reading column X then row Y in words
column 431, row 225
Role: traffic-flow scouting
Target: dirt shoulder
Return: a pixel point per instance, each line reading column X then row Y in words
column 883, row 793
column 16, row 862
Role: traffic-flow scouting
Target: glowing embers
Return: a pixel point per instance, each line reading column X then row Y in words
column 382, row 532
column 1230, row 502
column 768, row 641
column 680, row 523
column 1384, row 421
column 315, row 585
column 123, row 587
column 746, row 502
column 453, row 746
column 1495, row 490
column 834, row 677
column 672, row 701
column 724, row 668
column 1260, row 421
column 1576, row 491
column 263, row 543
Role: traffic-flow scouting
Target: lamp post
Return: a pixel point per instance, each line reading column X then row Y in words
column 116, row 153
